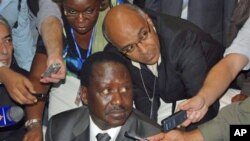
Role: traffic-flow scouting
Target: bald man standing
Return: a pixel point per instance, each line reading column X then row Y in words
column 168, row 57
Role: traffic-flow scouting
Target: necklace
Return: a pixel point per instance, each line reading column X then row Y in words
column 151, row 99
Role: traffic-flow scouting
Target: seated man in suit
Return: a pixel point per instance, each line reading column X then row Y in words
column 168, row 57
column 107, row 94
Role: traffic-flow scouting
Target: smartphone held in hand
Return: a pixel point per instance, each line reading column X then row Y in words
column 173, row 120
column 54, row 68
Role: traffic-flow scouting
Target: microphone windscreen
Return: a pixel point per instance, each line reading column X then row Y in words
column 15, row 114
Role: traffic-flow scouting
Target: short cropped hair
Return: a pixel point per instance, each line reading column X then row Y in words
column 4, row 22
column 98, row 58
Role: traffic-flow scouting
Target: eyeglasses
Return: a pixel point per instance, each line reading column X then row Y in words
column 142, row 37
column 89, row 12
column 6, row 41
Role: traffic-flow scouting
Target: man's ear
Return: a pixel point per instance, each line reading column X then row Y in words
column 83, row 95
column 148, row 19
column 150, row 22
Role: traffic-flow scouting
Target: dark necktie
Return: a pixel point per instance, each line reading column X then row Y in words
column 103, row 137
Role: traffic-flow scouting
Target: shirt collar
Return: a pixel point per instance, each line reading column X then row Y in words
column 94, row 130
column 152, row 68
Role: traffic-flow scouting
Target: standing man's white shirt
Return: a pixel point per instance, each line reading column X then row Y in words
column 241, row 43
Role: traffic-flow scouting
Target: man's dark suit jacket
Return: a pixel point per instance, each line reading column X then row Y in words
column 187, row 54
column 73, row 125
column 213, row 16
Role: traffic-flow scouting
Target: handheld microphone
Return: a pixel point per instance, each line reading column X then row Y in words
column 10, row 115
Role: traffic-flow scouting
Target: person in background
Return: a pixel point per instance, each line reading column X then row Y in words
column 9, row 70
column 79, row 20
column 107, row 93
column 16, row 13
column 168, row 57
column 212, row 16
column 49, row 25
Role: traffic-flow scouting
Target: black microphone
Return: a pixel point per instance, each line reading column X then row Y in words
column 10, row 115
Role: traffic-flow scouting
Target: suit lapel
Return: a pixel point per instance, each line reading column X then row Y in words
column 128, row 126
column 81, row 130
column 83, row 136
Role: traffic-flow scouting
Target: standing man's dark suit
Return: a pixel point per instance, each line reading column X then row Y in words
column 73, row 125
column 213, row 16
column 187, row 54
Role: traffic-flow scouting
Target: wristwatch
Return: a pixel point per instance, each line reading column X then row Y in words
column 29, row 123
column 41, row 96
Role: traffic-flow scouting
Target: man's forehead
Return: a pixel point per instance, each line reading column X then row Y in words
column 110, row 68
column 102, row 67
column 4, row 30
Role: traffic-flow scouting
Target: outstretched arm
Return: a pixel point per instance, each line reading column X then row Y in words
column 220, row 76
column 50, row 27
column 217, row 81
column 177, row 135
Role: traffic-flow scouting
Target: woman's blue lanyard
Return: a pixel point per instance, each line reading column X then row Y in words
column 118, row 2
column 75, row 64
column 89, row 47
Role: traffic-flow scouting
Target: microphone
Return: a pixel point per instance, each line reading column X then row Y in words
column 10, row 115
